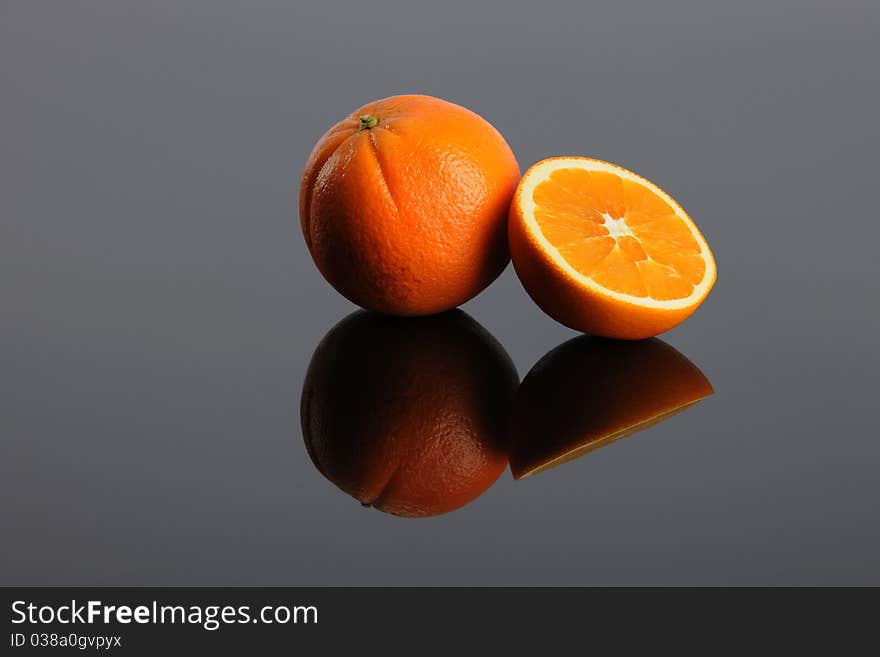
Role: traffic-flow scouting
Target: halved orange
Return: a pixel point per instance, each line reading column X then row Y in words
column 604, row 251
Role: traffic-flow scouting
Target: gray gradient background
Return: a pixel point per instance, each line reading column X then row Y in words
column 159, row 307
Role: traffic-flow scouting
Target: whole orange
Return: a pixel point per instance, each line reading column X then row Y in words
column 403, row 205
column 409, row 415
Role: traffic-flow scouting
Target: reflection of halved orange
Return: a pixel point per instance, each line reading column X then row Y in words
column 409, row 415
column 589, row 392
column 605, row 251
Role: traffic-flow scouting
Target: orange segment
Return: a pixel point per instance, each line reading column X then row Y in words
column 606, row 251
column 591, row 252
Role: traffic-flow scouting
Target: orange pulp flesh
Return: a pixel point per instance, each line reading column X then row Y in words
column 619, row 233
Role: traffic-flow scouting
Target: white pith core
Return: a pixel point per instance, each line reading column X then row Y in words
column 616, row 227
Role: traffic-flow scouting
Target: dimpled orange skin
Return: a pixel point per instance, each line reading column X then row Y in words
column 553, row 290
column 408, row 216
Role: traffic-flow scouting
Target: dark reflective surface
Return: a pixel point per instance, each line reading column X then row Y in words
column 409, row 416
column 159, row 309
column 589, row 392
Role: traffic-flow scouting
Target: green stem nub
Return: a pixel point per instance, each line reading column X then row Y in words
column 367, row 122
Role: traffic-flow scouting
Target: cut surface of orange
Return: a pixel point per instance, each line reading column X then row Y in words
column 605, row 251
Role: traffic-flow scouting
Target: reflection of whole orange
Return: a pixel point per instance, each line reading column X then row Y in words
column 409, row 415
column 403, row 205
